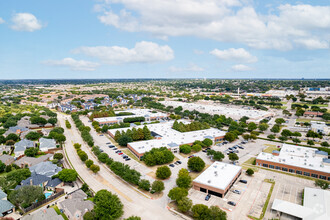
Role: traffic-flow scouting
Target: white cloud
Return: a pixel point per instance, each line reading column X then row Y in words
column 143, row 52
column 198, row 52
column 76, row 65
column 312, row 44
column 239, row 55
column 226, row 21
column 25, row 22
column 2, row 21
column 241, row 68
column 191, row 68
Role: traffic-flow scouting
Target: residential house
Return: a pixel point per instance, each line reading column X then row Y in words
column 53, row 184
column 15, row 130
column 31, row 161
column 5, row 148
column 45, row 168
column 5, row 206
column 21, row 146
column 76, row 206
column 35, row 180
column 46, row 213
column 46, row 144
column 7, row 159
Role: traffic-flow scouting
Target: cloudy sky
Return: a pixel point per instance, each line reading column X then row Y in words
column 164, row 39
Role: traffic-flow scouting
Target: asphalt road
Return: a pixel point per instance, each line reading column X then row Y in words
column 134, row 202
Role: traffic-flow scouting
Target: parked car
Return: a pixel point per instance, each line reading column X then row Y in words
column 127, row 159
column 232, row 203
column 243, row 142
column 243, row 181
column 114, row 148
column 101, row 135
column 125, row 156
column 240, row 147
column 208, row 196
column 235, row 147
column 108, row 143
column 236, row 191
column 225, row 142
column 120, row 153
column 205, row 151
column 191, row 156
column 179, row 162
column 171, row 165
column 230, row 148
column 101, row 150
column 111, row 146
column 117, row 151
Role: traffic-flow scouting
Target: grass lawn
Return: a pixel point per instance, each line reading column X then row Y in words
column 284, row 107
column 318, row 105
column 270, row 149
column 57, row 210
column 284, row 103
column 308, row 120
column 250, row 161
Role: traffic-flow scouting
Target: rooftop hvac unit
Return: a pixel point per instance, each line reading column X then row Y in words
column 209, row 181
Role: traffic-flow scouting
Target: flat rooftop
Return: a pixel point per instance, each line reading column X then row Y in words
column 228, row 111
column 136, row 113
column 219, row 175
column 169, row 136
column 304, row 157
column 316, row 205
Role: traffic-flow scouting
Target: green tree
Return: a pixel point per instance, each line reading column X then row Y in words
column 275, row 129
column 124, row 140
column 233, row 157
column 229, row 136
column 163, row 172
column 207, row 142
column 196, row 164
column 286, row 133
column 31, row 152
column 177, row 193
column 26, row 195
column 196, row 147
column 249, row 172
column 13, row 137
column 279, row 121
column 33, row 136
column 283, row 138
column 89, row 215
column 252, row 126
column 201, row 212
column 296, row 140
column 263, row 126
column 2, row 166
column 271, row 136
column 310, row 142
column 67, row 175
column 185, row 148
column 216, row 213
column 184, row 204
column 89, row 163
column 58, row 156
column 103, row 157
column 83, row 155
column 107, row 206
column 325, row 144
column 133, row 218
column 95, row 168
column 144, row 184
column 184, row 179
column 52, row 121
column 157, row 186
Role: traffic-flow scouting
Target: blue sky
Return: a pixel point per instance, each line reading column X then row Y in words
column 164, row 39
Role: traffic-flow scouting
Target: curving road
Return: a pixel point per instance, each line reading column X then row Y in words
column 135, row 203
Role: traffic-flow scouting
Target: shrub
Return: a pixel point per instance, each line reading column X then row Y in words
column 157, row 186
column 196, row 164
column 186, row 149
column 144, row 184
column 163, row 172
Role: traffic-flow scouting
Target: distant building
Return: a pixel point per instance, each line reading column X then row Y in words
column 320, row 127
column 31, row 161
column 15, row 130
column 165, row 136
column 316, row 206
column 7, row 159
column 45, row 168
column 217, row 179
column 313, row 114
column 300, row 160
column 5, row 206
column 21, row 146
column 45, row 213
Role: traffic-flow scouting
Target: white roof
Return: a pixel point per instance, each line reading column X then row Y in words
column 316, row 205
column 229, row 111
column 136, row 112
column 304, row 157
column 218, row 175
column 169, row 135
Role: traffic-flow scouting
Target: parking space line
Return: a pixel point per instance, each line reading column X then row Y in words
column 283, row 192
column 256, row 196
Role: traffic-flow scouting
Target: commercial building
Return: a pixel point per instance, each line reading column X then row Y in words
column 217, row 179
column 320, row 127
column 234, row 112
column 313, row 114
column 165, row 136
column 316, row 206
column 148, row 114
column 300, row 160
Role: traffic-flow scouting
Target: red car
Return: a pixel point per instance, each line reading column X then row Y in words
column 120, row 153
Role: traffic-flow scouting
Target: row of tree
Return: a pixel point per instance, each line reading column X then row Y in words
column 193, row 126
column 84, row 130
column 133, row 135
